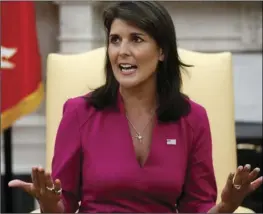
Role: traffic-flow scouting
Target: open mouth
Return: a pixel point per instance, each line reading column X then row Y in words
column 127, row 68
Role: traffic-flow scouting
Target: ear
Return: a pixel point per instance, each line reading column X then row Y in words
column 161, row 55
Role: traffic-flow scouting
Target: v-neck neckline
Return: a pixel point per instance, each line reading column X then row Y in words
column 151, row 147
column 130, row 141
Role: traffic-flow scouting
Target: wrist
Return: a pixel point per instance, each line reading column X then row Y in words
column 225, row 207
column 50, row 207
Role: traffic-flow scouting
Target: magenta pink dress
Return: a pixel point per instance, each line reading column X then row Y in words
column 95, row 160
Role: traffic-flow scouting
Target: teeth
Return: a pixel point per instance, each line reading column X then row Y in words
column 125, row 66
column 125, row 70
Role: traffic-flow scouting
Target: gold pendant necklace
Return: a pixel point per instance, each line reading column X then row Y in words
column 138, row 136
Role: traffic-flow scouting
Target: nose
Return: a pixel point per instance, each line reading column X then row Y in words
column 124, row 49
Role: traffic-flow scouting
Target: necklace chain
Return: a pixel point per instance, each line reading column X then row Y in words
column 138, row 135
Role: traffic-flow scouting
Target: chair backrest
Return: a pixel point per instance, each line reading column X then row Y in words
column 209, row 83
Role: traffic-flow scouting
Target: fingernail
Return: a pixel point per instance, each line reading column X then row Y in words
column 240, row 168
column 248, row 166
column 257, row 169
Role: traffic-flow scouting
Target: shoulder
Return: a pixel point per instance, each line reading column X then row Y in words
column 73, row 104
column 79, row 107
column 197, row 117
column 199, row 128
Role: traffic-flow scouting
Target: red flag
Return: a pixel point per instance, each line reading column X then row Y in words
column 21, row 86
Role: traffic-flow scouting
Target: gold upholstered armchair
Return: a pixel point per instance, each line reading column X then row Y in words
column 209, row 82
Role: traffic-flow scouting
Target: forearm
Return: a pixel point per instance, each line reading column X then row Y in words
column 222, row 208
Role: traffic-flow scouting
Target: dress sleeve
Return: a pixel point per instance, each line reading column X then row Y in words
column 66, row 163
column 200, row 190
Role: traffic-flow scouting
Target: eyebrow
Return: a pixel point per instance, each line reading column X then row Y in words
column 133, row 34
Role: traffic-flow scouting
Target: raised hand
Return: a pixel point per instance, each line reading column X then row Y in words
column 239, row 185
column 42, row 188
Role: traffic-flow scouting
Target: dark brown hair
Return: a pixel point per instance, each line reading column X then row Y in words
column 153, row 18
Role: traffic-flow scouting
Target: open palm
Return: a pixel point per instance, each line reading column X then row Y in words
column 38, row 188
column 240, row 185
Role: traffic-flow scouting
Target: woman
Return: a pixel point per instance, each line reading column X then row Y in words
column 136, row 144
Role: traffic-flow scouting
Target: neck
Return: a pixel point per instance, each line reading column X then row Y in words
column 140, row 99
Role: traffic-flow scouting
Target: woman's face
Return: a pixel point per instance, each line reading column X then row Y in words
column 133, row 54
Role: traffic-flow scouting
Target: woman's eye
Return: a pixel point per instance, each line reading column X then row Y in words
column 137, row 39
column 114, row 39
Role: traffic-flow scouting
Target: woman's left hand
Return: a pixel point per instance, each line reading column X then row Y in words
column 239, row 185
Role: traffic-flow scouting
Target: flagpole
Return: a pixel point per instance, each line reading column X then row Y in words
column 8, row 170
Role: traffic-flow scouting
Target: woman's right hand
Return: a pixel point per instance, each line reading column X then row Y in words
column 43, row 189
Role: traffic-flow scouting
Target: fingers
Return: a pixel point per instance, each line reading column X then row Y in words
column 57, row 185
column 41, row 180
column 245, row 174
column 245, row 179
column 39, row 186
column 253, row 175
column 256, row 184
column 230, row 179
column 21, row 184
column 51, row 188
column 17, row 183
column 35, row 181
column 34, row 176
column 237, row 180
column 49, row 181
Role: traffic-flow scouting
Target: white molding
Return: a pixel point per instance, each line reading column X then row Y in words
column 251, row 20
column 217, row 26
column 31, row 121
column 201, row 26
column 70, row 3
column 79, row 26
column 80, row 38
column 216, row 46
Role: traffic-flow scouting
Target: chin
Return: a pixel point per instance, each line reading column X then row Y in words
column 128, row 83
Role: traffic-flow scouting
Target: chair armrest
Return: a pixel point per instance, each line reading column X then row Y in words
column 36, row 211
column 243, row 210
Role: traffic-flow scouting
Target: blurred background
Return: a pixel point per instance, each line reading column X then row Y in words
column 75, row 26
